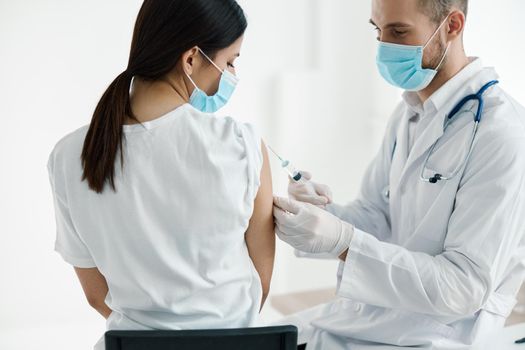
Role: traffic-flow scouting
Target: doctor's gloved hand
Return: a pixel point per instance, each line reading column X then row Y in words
column 311, row 229
column 308, row 191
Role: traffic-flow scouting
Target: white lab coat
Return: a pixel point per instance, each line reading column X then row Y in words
column 435, row 266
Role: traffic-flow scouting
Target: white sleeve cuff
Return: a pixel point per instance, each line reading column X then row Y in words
column 347, row 268
column 74, row 261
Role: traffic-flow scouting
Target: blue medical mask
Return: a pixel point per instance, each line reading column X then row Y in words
column 211, row 104
column 402, row 65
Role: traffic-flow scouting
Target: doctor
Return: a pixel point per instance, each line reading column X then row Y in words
column 432, row 249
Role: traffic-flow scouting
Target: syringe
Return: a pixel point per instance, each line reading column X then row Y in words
column 288, row 167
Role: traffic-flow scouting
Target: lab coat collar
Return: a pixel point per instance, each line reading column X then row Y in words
column 444, row 94
column 468, row 81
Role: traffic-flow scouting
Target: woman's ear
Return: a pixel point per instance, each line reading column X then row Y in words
column 189, row 59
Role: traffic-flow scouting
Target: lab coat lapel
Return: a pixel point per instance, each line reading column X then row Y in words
column 436, row 128
column 400, row 155
column 467, row 82
column 423, row 144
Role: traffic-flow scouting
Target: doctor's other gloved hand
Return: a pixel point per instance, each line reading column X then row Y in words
column 311, row 229
column 308, row 191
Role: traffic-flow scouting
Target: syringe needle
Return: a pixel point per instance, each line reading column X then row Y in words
column 287, row 166
column 271, row 149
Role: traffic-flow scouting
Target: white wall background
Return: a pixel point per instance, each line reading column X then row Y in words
column 308, row 81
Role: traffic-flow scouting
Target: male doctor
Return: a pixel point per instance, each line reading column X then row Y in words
column 432, row 251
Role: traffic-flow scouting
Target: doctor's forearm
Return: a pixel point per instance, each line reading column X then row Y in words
column 416, row 281
column 363, row 215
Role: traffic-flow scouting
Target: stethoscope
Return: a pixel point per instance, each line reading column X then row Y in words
column 455, row 111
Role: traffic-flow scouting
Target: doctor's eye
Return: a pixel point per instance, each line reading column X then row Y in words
column 399, row 32
column 231, row 65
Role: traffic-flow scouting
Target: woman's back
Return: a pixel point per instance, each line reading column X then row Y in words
column 171, row 241
column 168, row 221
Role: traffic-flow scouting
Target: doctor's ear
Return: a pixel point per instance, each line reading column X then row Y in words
column 189, row 60
column 456, row 25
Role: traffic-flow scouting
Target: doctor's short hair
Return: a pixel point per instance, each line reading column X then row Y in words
column 437, row 10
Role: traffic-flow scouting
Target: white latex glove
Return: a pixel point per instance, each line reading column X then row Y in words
column 309, row 228
column 308, row 191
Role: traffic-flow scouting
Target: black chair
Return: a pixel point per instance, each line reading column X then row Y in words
column 263, row 338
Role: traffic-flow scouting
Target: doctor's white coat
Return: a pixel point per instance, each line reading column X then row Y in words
column 434, row 266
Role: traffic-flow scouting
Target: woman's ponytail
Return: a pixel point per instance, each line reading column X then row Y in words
column 104, row 137
column 164, row 30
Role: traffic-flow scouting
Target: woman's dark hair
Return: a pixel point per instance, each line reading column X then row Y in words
column 164, row 30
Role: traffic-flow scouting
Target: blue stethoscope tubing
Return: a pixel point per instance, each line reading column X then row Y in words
column 455, row 111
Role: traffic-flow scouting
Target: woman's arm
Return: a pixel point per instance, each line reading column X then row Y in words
column 260, row 236
column 95, row 288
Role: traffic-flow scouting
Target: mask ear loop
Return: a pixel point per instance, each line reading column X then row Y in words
column 235, row 79
column 209, row 59
column 443, row 58
column 435, row 33
column 229, row 75
column 195, row 85
column 432, row 37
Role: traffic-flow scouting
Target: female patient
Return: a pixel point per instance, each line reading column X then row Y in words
column 163, row 208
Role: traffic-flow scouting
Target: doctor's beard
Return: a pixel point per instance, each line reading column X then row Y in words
column 436, row 54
